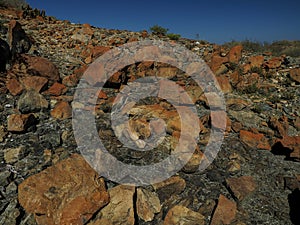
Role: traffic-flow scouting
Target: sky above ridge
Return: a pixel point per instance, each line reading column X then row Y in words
column 216, row 21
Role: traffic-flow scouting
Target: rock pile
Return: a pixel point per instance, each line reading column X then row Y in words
column 255, row 178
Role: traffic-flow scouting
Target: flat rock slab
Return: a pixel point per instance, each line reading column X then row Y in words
column 69, row 192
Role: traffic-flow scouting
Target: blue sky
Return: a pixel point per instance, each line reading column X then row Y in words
column 216, row 21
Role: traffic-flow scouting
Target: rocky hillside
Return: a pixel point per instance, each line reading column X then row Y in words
column 255, row 178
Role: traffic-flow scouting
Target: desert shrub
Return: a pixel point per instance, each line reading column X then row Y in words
column 17, row 4
column 174, row 36
column 156, row 29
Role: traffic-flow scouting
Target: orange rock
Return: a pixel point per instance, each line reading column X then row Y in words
column 225, row 212
column 254, row 140
column 35, row 82
column 273, row 63
column 235, row 54
column 99, row 50
column 216, row 62
column 20, row 123
column 62, row 110
column 256, row 61
column 14, row 87
column 292, row 143
column 69, row 192
column 57, row 89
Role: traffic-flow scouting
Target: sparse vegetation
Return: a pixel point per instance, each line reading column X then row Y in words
column 277, row 48
column 173, row 36
column 159, row 30
column 17, row 4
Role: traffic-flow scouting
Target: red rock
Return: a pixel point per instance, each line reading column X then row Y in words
column 70, row 81
column 87, row 29
column 293, row 144
column 69, row 192
column 14, row 87
column 35, row 83
column 20, row 123
column 224, row 84
column 225, row 212
column 234, row 78
column 57, row 89
column 62, row 111
column 183, row 216
column 254, row 140
column 241, row 187
column 235, row 54
column 295, row 74
column 41, row 67
column 297, row 123
column 273, row 63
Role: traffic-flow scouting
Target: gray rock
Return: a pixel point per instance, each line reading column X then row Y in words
column 32, row 101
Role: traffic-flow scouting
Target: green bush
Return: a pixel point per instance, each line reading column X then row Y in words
column 156, row 29
column 174, row 36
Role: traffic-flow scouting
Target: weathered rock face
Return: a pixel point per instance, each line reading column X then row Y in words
column 18, row 40
column 4, row 54
column 69, row 192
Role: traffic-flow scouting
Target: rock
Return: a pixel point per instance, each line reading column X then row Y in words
column 70, row 81
column 280, row 125
column 147, row 204
column 224, row 84
column 193, row 164
column 5, row 55
column 295, row 74
column 256, row 61
column 254, row 140
column 35, row 83
column 120, row 209
column 57, row 89
column 3, row 133
column 173, row 186
column 235, row 54
column 273, row 63
column 289, row 146
column 183, row 216
column 62, row 111
column 241, row 187
column 18, row 40
column 68, row 192
column 14, row 87
column 20, row 123
column 297, row 123
column 32, row 101
column 216, row 62
column 12, row 155
column 225, row 212
column 41, row 67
